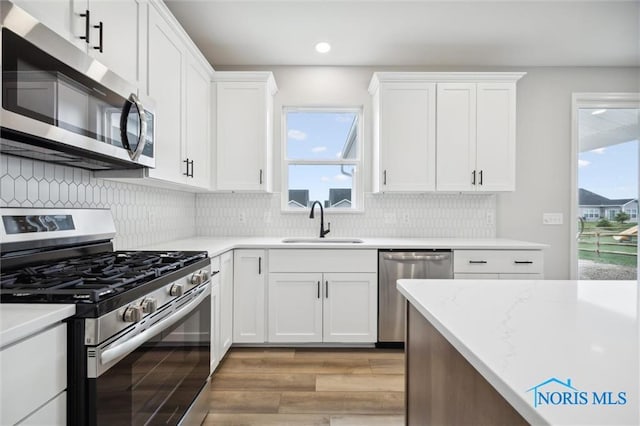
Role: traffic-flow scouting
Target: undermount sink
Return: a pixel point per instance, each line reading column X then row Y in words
column 323, row 240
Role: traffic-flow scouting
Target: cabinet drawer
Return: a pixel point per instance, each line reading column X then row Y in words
column 54, row 413
column 33, row 371
column 498, row 261
column 327, row 260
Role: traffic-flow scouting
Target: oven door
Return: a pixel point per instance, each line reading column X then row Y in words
column 155, row 376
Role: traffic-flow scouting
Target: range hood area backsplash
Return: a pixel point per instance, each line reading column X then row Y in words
column 145, row 215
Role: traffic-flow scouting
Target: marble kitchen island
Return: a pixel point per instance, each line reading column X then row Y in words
column 517, row 352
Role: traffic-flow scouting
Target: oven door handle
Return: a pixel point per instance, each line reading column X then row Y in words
column 128, row 346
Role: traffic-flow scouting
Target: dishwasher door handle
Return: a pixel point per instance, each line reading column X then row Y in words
column 405, row 258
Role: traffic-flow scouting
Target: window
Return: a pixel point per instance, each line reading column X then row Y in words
column 322, row 158
column 590, row 214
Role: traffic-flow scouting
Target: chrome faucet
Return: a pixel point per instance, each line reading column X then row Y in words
column 323, row 232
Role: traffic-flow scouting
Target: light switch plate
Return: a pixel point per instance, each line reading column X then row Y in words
column 552, row 219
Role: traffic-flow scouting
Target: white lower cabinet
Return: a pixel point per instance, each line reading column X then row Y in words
column 295, row 307
column 215, row 315
column 249, row 283
column 32, row 378
column 498, row 264
column 317, row 307
column 226, row 302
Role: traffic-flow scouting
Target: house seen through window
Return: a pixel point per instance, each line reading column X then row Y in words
column 322, row 158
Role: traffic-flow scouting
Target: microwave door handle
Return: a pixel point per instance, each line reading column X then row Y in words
column 124, row 348
column 142, row 135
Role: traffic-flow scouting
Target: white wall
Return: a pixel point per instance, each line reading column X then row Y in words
column 543, row 147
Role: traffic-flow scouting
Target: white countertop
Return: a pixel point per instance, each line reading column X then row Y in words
column 18, row 321
column 218, row 245
column 519, row 334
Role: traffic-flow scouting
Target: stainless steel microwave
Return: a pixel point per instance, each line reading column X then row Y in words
column 60, row 105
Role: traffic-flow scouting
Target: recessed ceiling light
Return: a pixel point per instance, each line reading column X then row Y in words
column 599, row 111
column 323, row 47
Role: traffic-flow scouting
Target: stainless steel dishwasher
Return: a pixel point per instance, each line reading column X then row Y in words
column 400, row 264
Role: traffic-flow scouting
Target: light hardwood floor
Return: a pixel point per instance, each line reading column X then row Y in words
column 286, row 386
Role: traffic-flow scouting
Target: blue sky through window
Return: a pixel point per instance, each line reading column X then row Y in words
column 320, row 136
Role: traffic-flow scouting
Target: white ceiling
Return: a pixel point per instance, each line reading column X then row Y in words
column 414, row 33
column 608, row 127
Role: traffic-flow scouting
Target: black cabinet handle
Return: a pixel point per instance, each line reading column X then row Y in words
column 318, row 289
column 192, row 168
column 187, row 162
column 87, row 25
column 523, row 262
column 326, row 289
column 477, row 261
column 384, row 177
column 99, row 47
column 260, row 176
column 259, row 265
column 473, row 177
column 480, row 177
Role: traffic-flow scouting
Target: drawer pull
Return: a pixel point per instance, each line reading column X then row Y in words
column 477, row 261
column 523, row 262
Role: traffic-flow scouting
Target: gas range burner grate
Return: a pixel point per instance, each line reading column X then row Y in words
column 90, row 279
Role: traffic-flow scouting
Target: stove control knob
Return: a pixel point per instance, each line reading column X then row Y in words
column 198, row 278
column 132, row 314
column 176, row 290
column 149, row 305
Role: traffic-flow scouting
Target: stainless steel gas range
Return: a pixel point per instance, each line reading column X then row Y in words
column 139, row 344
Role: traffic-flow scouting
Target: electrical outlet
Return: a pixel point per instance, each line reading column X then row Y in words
column 406, row 218
column 491, row 217
column 266, row 217
column 242, row 217
column 552, row 219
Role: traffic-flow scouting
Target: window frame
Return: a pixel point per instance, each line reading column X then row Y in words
column 357, row 190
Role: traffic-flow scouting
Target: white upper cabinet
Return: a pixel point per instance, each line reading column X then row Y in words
column 115, row 31
column 244, row 130
column 180, row 85
column 456, row 136
column 166, row 60
column 496, row 136
column 476, row 136
column 444, row 131
column 108, row 30
column 404, row 136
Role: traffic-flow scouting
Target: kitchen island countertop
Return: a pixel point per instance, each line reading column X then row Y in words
column 535, row 340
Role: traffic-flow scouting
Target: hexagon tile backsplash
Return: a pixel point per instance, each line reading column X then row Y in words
column 385, row 215
column 143, row 215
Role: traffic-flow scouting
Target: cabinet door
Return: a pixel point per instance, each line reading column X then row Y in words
column 407, row 148
column 198, row 99
column 62, row 16
column 226, row 302
column 496, row 136
column 241, row 133
column 248, row 296
column 215, row 322
column 350, row 308
column 165, row 87
column 295, row 308
column 456, row 137
column 120, row 36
